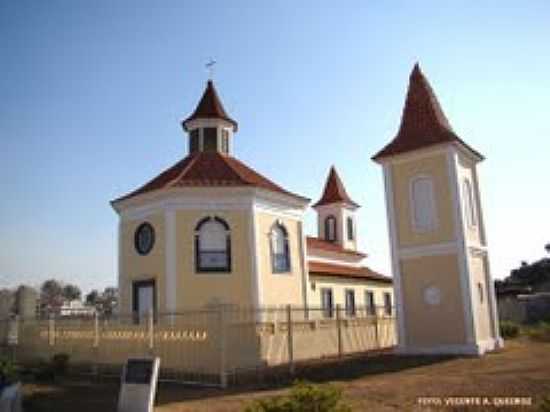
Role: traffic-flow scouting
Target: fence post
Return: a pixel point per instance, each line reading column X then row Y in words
column 339, row 330
column 290, row 338
column 151, row 328
column 223, row 346
column 376, row 332
column 13, row 336
column 95, row 348
column 51, row 329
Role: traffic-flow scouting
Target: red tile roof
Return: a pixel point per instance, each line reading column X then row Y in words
column 330, row 269
column 335, row 191
column 423, row 122
column 207, row 169
column 316, row 243
column 210, row 107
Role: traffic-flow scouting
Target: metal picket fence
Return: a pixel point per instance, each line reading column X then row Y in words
column 208, row 346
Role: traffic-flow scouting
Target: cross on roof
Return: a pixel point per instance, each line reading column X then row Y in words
column 210, row 67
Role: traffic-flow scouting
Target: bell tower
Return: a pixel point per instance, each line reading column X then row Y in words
column 336, row 213
column 443, row 286
column 209, row 127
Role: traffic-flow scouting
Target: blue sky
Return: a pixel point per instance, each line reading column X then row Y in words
column 92, row 94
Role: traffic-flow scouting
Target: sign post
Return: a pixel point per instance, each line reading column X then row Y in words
column 138, row 385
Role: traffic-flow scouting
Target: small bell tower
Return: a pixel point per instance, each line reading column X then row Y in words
column 336, row 213
column 210, row 128
column 443, row 286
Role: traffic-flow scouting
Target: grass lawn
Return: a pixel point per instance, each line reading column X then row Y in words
column 381, row 383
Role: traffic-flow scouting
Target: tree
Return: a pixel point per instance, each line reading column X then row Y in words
column 109, row 299
column 51, row 296
column 71, row 292
column 547, row 247
column 92, row 298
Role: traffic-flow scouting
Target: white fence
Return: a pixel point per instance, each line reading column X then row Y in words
column 204, row 346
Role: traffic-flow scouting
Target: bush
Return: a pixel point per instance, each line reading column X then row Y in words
column 8, row 372
column 545, row 405
column 540, row 333
column 304, row 397
column 509, row 329
column 59, row 363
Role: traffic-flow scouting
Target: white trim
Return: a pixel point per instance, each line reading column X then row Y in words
column 304, row 264
column 472, row 349
column 446, row 248
column 257, row 297
column 171, row 282
column 340, row 262
column 462, row 255
column 394, row 248
column 121, row 278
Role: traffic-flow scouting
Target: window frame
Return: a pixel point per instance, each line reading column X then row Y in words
column 388, row 304
column 370, row 306
column 413, row 200
column 470, row 209
column 350, row 224
column 225, row 269
column 142, row 226
column 335, row 231
column 350, row 310
column 288, row 267
column 328, row 310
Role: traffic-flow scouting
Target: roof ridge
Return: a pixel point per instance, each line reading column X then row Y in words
column 192, row 161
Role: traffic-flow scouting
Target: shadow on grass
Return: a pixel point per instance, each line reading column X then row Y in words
column 83, row 395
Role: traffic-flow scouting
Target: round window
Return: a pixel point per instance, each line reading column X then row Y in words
column 144, row 238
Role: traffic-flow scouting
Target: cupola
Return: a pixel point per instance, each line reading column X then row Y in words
column 209, row 127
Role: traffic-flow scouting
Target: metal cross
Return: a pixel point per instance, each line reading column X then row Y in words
column 210, row 67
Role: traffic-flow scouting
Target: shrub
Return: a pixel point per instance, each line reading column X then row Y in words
column 545, row 404
column 509, row 329
column 8, row 372
column 304, row 397
column 59, row 363
column 540, row 333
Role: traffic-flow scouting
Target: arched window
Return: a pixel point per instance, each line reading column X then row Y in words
column 280, row 252
column 212, row 245
column 469, row 204
column 351, row 235
column 423, row 211
column 330, row 228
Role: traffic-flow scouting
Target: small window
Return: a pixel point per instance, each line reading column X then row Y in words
column 194, row 141
column 387, row 303
column 480, row 291
column 327, row 303
column 144, row 238
column 212, row 246
column 369, row 303
column 210, row 143
column 350, row 303
column 350, row 228
column 225, row 141
column 469, row 204
column 280, row 253
column 423, row 211
column 330, row 228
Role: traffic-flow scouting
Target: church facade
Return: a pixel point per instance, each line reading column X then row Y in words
column 212, row 231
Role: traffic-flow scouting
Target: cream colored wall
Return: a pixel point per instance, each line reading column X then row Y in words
column 198, row 289
column 340, row 285
column 279, row 288
column 466, row 170
column 429, row 325
column 137, row 267
column 481, row 308
column 436, row 167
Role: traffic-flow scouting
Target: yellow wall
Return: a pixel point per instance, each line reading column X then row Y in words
column 402, row 173
column 482, row 308
column 138, row 267
column 279, row 288
column 199, row 289
column 466, row 170
column 428, row 325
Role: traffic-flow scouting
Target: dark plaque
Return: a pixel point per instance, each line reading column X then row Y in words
column 139, row 371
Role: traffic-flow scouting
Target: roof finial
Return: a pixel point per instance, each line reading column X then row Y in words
column 210, row 67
